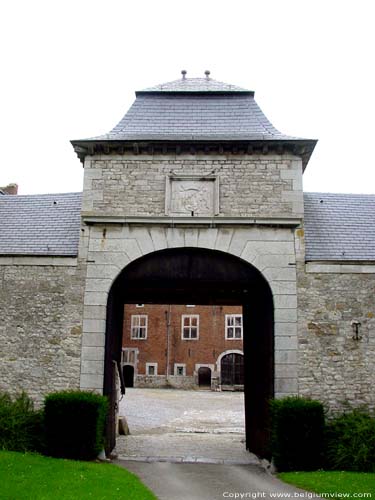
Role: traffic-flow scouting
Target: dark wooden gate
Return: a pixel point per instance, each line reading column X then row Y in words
column 232, row 369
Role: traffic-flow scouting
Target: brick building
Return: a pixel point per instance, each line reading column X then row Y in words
column 183, row 346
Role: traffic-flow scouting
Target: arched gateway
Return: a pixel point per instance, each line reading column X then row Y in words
column 214, row 278
column 194, row 194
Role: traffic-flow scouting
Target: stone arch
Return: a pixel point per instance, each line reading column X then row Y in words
column 111, row 249
column 224, row 353
column 171, row 276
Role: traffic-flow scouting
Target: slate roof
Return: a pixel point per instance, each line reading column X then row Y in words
column 195, row 85
column 47, row 224
column 195, row 109
column 339, row 227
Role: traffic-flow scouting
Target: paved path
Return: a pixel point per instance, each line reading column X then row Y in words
column 190, row 445
column 184, row 426
column 162, row 410
column 207, row 482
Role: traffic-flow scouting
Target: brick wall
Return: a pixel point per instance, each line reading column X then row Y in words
column 205, row 350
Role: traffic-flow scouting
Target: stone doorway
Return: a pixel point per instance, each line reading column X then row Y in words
column 214, row 278
column 204, row 377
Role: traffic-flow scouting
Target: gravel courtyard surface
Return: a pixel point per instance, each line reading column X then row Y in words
column 184, row 426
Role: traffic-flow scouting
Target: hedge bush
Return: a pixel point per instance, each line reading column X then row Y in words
column 297, row 434
column 74, row 423
column 350, row 442
column 21, row 427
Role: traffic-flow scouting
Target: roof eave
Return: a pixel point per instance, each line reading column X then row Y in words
column 205, row 93
column 299, row 147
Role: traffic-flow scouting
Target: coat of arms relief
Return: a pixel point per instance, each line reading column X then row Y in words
column 192, row 196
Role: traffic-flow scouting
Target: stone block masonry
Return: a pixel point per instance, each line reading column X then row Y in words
column 41, row 326
column 250, row 185
column 333, row 367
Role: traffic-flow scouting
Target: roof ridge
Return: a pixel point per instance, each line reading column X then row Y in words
column 197, row 84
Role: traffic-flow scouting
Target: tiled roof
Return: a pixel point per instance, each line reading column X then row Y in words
column 195, row 85
column 194, row 117
column 339, row 227
column 46, row 224
column 194, row 109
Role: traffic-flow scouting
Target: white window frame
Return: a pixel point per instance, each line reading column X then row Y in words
column 139, row 305
column 232, row 327
column 177, row 366
column 135, row 327
column 190, row 305
column 127, row 353
column 183, row 326
column 148, row 365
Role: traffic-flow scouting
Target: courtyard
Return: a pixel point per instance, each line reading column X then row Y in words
column 184, row 426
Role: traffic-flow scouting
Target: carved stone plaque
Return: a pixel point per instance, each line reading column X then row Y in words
column 191, row 196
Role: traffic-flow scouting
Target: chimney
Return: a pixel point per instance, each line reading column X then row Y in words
column 9, row 189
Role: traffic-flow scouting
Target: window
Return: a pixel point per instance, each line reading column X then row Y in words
column 139, row 305
column 151, row 369
column 190, row 305
column 179, row 369
column 129, row 356
column 190, row 326
column 233, row 326
column 139, row 326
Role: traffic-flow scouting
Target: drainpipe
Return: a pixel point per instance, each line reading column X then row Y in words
column 168, row 318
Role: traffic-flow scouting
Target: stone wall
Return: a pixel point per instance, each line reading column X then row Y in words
column 333, row 367
column 160, row 381
column 41, row 324
column 249, row 185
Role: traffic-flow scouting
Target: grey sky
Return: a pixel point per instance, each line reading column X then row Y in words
column 70, row 69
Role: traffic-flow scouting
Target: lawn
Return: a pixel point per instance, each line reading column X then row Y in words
column 32, row 476
column 343, row 484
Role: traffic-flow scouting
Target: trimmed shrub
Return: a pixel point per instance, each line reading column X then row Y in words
column 350, row 442
column 297, row 433
column 74, row 422
column 21, row 427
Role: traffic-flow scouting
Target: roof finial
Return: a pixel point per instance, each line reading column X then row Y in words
column 207, row 73
column 183, row 73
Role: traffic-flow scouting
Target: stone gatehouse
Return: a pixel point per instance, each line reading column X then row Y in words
column 193, row 180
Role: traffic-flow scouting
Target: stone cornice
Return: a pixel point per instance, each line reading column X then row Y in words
column 291, row 222
column 299, row 147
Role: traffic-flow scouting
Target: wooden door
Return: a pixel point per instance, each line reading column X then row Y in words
column 204, row 376
column 232, row 369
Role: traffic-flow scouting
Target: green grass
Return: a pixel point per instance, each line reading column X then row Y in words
column 32, row 476
column 351, row 483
